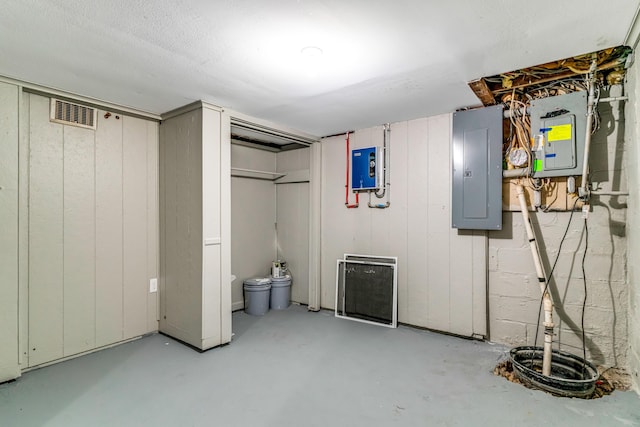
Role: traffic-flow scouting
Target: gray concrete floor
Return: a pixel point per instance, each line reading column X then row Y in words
column 294, row 368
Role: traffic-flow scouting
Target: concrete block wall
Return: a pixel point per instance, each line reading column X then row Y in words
column 514, row 292
column 633, row 222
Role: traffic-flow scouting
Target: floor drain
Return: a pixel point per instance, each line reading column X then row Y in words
column 571, row 376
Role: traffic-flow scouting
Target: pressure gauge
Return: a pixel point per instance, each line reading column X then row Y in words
column 518, row 157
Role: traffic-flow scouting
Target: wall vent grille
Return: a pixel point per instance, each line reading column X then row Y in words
column 72, row 114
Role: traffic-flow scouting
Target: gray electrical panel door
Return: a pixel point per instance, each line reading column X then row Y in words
column 560, row 153
column 560, row 123
column 477, row 169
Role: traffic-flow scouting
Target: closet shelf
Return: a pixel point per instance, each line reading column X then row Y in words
column 257, row 174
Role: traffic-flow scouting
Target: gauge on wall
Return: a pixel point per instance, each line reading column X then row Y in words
column 518, row 157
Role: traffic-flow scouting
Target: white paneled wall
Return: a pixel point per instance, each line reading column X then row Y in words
column 181, row 242
column 9, row 226
column 441, row 271
column 93, row 232
column 253, row 219
column 292, row 213
column 194, row 283
column 109, row 226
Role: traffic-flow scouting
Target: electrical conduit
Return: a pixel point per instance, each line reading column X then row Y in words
column 387, row 185
column 542, row 279
column 583, row 191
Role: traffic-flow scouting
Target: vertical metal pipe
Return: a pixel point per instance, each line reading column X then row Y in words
column 386, row 173
column 591, row 101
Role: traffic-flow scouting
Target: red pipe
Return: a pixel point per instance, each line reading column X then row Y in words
column 346, row 187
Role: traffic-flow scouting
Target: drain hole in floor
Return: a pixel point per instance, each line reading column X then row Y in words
column 603, row 385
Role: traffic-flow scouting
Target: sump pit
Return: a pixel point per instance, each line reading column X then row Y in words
column 571, row 376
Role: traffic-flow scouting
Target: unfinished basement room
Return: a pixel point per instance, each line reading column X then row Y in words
column 319, row 213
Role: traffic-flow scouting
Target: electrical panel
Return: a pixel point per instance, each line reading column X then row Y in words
column 558, row 127
column 477, row 169
column 366, row 165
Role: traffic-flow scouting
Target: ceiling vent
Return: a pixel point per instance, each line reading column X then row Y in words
column 73, row 114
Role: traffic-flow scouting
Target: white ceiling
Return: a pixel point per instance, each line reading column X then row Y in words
column 383, row 60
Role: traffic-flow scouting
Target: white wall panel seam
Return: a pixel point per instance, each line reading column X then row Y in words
column 95, row 234
column 23, row 322
column 221, row 216
column 17, row 266
column 157, row 219
column 122, row 223
column 21, row 135
column 146, row 233
column 449, row 198
column 427, row 195
column 406, row 310
column 225, row 227
column 64, row 224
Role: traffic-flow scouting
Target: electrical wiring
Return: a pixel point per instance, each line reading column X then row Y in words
column 553, row 267
column 596, row 115
column 551, row 186
column 531, row 72
column 533, row 185
column 558, row 87
column 493, row 80
column 561, row 77
column 584, row 301
column 518, row 102
column 520, row 129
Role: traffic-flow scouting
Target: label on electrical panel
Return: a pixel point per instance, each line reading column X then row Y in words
column 537, row 165
column 559, row 133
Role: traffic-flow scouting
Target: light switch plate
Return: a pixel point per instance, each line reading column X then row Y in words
column 153, row 285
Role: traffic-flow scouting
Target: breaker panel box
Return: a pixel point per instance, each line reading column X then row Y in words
column 366, row 168
column 476, row 194
column 558, row 126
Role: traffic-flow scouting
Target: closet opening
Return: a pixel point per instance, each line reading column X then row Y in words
column 270, row 205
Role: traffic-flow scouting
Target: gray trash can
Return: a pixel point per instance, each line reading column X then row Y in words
column 280, row 292
column 256, row 296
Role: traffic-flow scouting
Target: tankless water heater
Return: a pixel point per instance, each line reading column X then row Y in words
column 366, row 167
